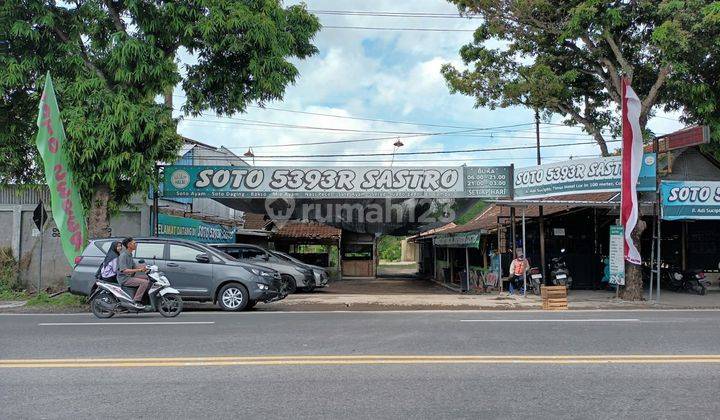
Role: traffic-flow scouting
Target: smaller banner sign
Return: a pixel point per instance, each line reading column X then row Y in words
column 193, row 230
column 580, row 176
column 690, row 200
column 459, row 240
column 617, row 261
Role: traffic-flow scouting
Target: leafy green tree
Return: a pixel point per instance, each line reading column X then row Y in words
column 113, row 61
column 568, row 57
column 389, row 248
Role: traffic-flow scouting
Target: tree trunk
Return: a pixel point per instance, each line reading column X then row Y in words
column 98, row 219
column 633, row 289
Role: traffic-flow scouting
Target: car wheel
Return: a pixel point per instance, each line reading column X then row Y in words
column 233, row 297
column 288, row 284
column 309, row 287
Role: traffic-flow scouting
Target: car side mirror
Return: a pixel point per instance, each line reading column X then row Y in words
column 202, row 258
column 141, row 261
column 266, row 257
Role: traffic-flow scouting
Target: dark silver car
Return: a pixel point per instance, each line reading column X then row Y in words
column 197, row 271
column 321, row 275
column 294, row 276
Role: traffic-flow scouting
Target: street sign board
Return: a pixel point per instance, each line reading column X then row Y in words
column 40, row 216
column 193, row 229
column 617, row 262
column 459, row 240
column 337, row 182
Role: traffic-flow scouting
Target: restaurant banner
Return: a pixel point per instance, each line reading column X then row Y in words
column 65, row 200
column 337, row 182
column 459, row 240
column 683, row 200
column 194, row 230
column 579, row 176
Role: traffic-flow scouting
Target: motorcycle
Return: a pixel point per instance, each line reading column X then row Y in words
column 109, row 299
column 559, row 273
column 686, row 281
column 534, row 280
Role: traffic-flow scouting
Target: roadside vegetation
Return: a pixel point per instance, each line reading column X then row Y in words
column 11, row 288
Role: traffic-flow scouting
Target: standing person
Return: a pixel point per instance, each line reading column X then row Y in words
column 518, row 267
column 109, row 268
column 127, row 270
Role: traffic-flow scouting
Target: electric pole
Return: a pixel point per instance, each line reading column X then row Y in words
column 541, row 221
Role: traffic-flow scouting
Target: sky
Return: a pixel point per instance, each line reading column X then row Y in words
column 374, row 74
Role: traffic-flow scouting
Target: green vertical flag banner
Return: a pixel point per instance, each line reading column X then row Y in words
column 67, row 210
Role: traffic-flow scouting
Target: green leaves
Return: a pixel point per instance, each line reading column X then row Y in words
column 109, row 65
column 567, row 57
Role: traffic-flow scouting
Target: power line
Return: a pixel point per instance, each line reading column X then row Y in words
column 336, row 155
column 376, row 28
column 392, row 14
column 385, row 121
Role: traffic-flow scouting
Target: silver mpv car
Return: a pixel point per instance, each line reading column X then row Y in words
column 197, row 271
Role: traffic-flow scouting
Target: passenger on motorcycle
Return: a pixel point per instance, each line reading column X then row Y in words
column 109, row 268
column 518, row 267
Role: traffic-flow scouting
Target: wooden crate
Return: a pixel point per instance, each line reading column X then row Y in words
column 554, row 297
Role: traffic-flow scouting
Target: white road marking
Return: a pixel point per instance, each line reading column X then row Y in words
column 554, row 320
column 56, row 324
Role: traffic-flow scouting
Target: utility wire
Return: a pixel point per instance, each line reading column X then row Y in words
column 377, row 28
column 439, row 152
column 392, row 14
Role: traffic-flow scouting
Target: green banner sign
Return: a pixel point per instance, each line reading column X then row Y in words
column 459, row 240
column 194, row 230
column 65, row 200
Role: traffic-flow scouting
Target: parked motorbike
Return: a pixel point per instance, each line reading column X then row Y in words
column 109, row 299
column 534, row 280
column 686, row 281
column 559, row 273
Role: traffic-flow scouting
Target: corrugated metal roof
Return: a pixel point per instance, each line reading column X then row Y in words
column 24, row 194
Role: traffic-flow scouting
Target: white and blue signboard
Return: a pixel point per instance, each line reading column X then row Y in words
column 690, row 200
column 617, row 262
column 336, row 182
column 580, row 176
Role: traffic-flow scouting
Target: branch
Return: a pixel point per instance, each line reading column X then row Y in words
column 612, row 84
column 119, row 25
column 649, row 100
column 589, row 126
column 83, row 52
column 618, row 54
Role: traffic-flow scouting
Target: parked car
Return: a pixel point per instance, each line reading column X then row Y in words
column 321, row 275
column 294, row 276
column 197, row 271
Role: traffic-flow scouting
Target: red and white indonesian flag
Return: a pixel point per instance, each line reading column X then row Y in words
column 632, row 153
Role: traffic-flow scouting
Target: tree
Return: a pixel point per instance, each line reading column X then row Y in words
column 568, row 57
column 112, row 59
column 694, row 87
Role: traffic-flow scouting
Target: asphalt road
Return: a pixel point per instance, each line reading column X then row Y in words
column 595, row 364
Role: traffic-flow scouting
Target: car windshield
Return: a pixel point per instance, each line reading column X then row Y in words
column 224, row 254
column 282, row 256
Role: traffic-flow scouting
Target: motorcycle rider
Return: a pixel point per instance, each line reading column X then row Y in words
column 127, row 270
column 518, row 267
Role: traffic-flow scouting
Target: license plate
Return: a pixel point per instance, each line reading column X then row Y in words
column 536, row 276
column 561, row 276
